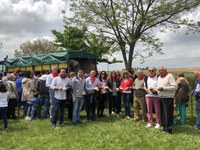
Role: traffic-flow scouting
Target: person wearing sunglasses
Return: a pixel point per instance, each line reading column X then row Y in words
column 166, row 87
column 151, row 97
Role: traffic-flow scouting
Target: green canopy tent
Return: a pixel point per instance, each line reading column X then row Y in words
column 86, row 61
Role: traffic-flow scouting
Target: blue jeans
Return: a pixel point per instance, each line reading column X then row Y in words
column 198, row 112
column 3, row 113
column 35, row 109
column 51, row 96
column 44, row 100
column 127, row 99
column 59, row 107
column 77, row 105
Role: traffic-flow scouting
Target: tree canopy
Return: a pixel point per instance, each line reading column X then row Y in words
column 40, row 46
column 74, row 38
column 129, row 22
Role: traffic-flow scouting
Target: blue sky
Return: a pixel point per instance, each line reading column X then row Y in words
column 26, row 20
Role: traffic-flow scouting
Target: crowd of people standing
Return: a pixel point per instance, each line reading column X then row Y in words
column 46, row 95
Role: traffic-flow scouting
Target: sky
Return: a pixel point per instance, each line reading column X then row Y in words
column 27, row 20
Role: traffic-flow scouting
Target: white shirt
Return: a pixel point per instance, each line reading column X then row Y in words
column 152, row 83
column 49, row 80
column 4, row 99
column 60, row 83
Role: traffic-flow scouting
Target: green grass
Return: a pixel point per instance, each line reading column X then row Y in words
column 109, row 133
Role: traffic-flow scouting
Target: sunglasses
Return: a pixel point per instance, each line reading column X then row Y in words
column 161, row 70
column 151, row 70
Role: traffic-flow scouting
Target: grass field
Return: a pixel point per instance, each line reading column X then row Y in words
column 109, row 133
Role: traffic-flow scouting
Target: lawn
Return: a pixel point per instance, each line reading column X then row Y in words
column 108, row 133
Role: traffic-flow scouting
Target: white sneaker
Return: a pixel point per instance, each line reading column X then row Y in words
column 148, row 125
column 26, row 118
column 157, row 126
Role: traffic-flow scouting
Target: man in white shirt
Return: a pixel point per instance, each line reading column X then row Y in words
column 60, row 85
column 49, row 80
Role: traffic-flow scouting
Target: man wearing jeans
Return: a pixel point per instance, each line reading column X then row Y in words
column 60, row 85
column 49, row 80
column 197, row 95
column 78, row 84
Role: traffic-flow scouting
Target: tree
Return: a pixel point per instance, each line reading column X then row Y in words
column 40, row 46
column 72, row 39
column 128, row 22
column 75, row 38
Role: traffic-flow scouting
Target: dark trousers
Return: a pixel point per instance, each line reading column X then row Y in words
column 25, row 107
column 44, row 100
column 3, row 113
column 90, row 106
column 114, row 104
column 167, row 108
column 12, row 103
column 58, row 109
column 101, row 104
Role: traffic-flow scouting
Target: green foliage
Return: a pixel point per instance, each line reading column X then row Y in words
column 128, row 22
column 40, row 46
column 72, row 39
column 75, row 38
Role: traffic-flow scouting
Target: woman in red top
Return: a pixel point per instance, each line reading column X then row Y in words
column 125, row 87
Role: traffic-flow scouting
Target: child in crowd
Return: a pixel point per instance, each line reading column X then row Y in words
column 33, row 107
column 3, row 103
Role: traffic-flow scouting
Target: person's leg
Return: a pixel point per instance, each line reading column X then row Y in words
column 56, row 104
column 198, row 113
column 80, row 105
column 168, row 104
column 182, row 113
column 19, row 103
column 110, row 103
column 33, row 110
column 117, row 105
column 177, row 111
column 41, row 103
column 46, row 106
column 99, row 104
column 9, row 110
column 4, row 117
column 51, row 95
column 143, row 106
column 136, row 108
column 156, row 103
column 128, row 100
column 28, row 109
column 75, row 109
column 88, row 109
column 103, row 100
column 149, row 101
column 93, row 106
column 62, row 109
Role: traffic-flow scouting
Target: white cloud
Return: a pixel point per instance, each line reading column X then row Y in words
column 26, row 20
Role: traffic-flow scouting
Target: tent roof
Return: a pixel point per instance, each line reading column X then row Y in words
column 51, row 58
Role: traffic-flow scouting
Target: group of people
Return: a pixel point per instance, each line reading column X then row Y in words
column 51, row 93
